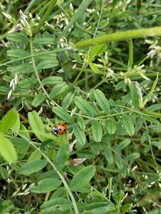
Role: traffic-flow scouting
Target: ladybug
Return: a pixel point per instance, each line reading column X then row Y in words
column 60, row 128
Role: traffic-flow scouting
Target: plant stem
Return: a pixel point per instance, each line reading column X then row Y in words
column 130, row 61
column 118, row 36
column 58, row 173
column 37, row 75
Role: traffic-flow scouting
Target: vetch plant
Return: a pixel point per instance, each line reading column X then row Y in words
column 80, row 107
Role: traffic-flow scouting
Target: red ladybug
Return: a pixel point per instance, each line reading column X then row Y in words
column 60, row 128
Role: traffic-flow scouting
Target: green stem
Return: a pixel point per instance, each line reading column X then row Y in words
column 45, row 17
column 37, row 75
column 79, row 74
column 58, row 173
column 118, row 36
column 149, row 95
column 130, row 61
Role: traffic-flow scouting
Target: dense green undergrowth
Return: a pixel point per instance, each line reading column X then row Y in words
column 94, row 65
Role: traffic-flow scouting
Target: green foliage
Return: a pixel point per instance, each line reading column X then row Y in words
column 102, row 101
column 79, row 134
column 56, row 205
column 68, row 62
column 84, row 175
column 7, row 150
column 32, row 167
column 96, row 131
column 46, row 185
column 36, row 124
column 127, row 122
column 10, row 120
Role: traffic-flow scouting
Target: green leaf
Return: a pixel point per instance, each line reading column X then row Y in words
column 154, row 107
column 119, row 162
column 85, row 189
column 97, row 131
column 82, row 178
column 45, row 54
column 103, row 24
column 17, row 53
column 87, row 154
column 17, row 37
column 98, row 207
column 128, row 124
column 93, row 67
column 81, row 122
column 52, row 80
column 123, row 144
column 103, row 210
column 96, row 50
column 149, row 118
column 21, row 145
column 35, row 155
column 32, row 167
column 16, row 127
column 36, row 125
column 4, row 89
column 102, row 101
column 62, row 156
column 132, row 156
column 47, row 63
column 50, row 173
column 44, row 40
column 7, row 150
column 23, row 68
column 7, row 206
column 134, row 95
column 108, row 155
column 4, row 174
column 62, row 113
column 121, row 85
column 52, row 205
column 38, row 99
column 67, row 101
column 58, row 89
column 27, row 82
column 79, row 134
column 10, row 120
column 24, row 132
column 84, row 106
column 126, row 207
column 111, row 125
column 46, row 185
